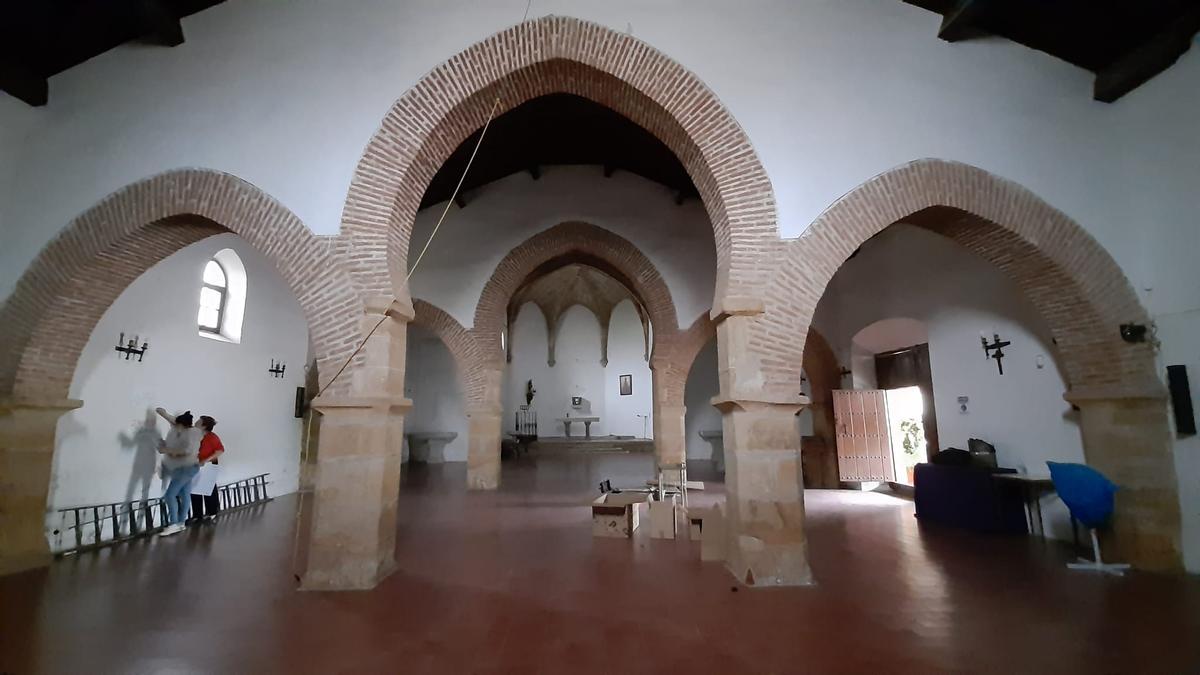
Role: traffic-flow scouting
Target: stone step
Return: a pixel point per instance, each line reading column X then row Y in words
column 595, row 445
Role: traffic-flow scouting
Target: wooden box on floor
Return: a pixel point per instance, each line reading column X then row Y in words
column 695, row 523
column 707, row 525
column 663, row 523
column 617, row 514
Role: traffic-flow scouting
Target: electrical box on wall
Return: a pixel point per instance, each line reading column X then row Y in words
column 962, row 405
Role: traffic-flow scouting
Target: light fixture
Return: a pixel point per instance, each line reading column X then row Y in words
column 277, row 368
column 1133, row 332
column 995, row 350
column 131, row 349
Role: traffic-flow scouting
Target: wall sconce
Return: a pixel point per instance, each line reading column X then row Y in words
column 1133, row 332
column 277, row 368
column 995, row 350
column 131, row 349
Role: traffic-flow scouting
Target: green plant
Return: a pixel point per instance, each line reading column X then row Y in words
column 914, row 436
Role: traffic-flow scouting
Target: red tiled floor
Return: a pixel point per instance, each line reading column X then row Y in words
column 514, row 582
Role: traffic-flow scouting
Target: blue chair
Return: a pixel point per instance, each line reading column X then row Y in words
column 1088, row 494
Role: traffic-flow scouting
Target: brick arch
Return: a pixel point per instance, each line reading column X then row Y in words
column 563, row 244
column 462, row 345
column 535, row 58
column 674, row 366
column 48, row 319
column 822, row 368
column 1077, row 287
column 819, row 451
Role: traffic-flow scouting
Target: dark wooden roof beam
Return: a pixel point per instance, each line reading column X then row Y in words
column 158, row 23
column 962, row 22
column 24, row 84
column 1143, row 62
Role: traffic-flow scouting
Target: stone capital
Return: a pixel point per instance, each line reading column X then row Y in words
column 330, row 405
column 33, row 404
column 484, row 410
column 783, row 404
column 396, row 308
column 1083, row 396
column 736, row 306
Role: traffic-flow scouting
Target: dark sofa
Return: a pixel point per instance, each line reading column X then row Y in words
column 967, row 497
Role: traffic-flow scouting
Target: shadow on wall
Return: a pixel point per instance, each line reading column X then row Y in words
column 143, row 443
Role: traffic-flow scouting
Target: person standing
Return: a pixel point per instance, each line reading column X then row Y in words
column 206, row 504
column 180, row 450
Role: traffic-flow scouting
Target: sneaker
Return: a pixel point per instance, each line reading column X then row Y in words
column 171, row 529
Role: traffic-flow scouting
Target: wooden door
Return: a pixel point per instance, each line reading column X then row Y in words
column 864, row 446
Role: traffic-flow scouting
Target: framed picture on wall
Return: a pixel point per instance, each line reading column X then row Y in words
column 626, row 385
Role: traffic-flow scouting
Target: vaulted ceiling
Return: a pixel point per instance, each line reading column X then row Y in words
column 573, row 284
column 41, row 38
column 1124, row 42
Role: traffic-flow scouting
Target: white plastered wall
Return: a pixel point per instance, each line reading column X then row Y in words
column 105, row 452
column 577, row 372
column 433, row 383
column 677, row 239
column 914, row 275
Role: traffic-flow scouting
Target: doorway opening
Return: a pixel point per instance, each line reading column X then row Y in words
column 905, row 409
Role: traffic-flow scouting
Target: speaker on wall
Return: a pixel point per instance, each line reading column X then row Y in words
column 1181, row 399
column 300, row 403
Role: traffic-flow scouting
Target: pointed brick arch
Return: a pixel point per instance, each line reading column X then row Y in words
column 678, row 357
column 462, row 345
column 46, row 322
column 1077, row 287
column 566, row 243
column 535, row 58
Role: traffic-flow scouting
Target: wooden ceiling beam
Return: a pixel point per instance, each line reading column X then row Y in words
column 962, row 22
column 24, row 84
column 158, row 23
column 1140, row 64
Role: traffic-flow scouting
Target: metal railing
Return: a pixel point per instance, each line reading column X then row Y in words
column 99, row 525
column 526, row 423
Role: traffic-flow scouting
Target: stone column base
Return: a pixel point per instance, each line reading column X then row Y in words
column 1128, row 440
column 27, row 431
column 767, row 545
column 352, row 537
column 483, row 449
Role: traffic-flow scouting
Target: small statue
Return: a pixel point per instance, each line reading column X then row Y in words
column 529, row 392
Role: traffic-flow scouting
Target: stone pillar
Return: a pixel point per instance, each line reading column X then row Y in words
column 763, row 476
column 352, row 535
column 668, row 420
column 485, row 430
column 670, row 443
column 1129, row 440
column 765, row 487
column 27, row 430
column 483, row 448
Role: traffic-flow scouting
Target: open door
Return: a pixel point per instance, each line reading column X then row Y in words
column 864, row 446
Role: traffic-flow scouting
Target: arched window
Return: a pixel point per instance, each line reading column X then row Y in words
column 222, row 297
column 213, row 296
